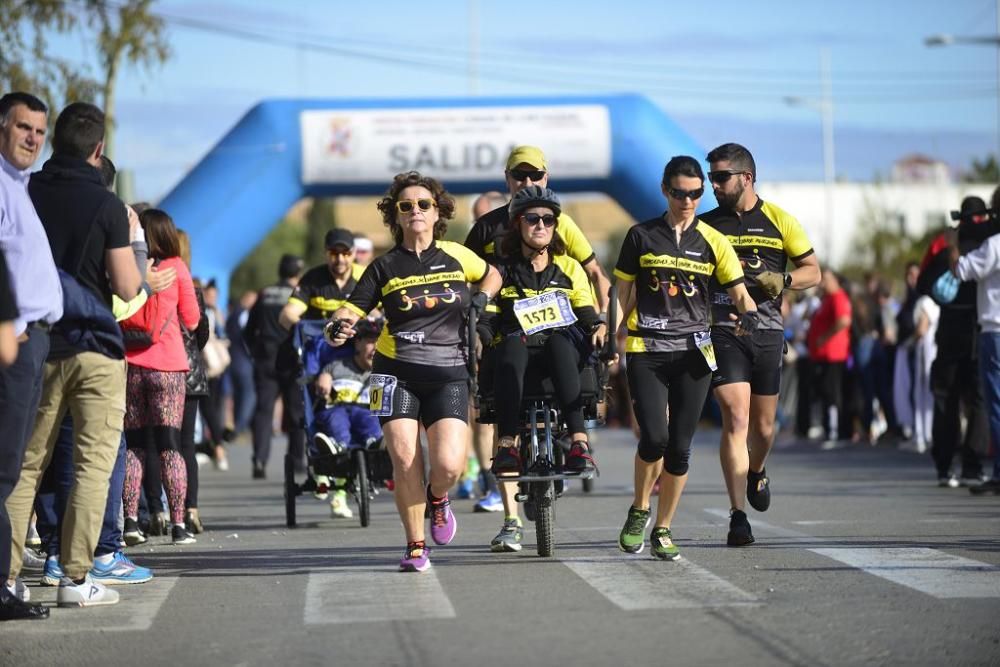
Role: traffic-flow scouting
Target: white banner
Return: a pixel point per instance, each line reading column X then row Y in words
column 456, row 144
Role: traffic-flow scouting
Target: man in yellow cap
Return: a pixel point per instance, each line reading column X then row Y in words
column 526, row 166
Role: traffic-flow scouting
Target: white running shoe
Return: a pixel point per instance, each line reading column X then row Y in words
column 326, row 446
column 88, row 594
column 339, row 509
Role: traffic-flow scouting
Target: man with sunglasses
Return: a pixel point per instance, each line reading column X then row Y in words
column 527, row 166
column 321, row 291
column 748, row 377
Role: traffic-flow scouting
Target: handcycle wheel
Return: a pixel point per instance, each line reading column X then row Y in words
column 544, row 517
column 362, row 487
column 291, row 491
column 588, row 485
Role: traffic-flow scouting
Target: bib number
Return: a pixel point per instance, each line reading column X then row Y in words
column 550, row 310
column 703, row 340
column 380, row 391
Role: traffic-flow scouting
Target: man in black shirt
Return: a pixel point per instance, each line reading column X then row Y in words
column 263, row 336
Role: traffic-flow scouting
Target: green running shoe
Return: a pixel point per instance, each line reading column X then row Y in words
column 509, row 537
column 662, row 544
column 632, row 538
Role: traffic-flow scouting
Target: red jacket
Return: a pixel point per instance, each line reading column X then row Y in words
column 178, row 304
column 837, row 348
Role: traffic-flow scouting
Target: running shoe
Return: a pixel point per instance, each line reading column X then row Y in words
column 507, row 460
column 322, row 491
column 179, row 535
column 759, row 490
column 465, row 488
column 632, row 538
column 948, row 482
column 661, row 543
column 326, row 446
column 740, row 534
column 443, row 523
column 339, row 509
column 579, row 458
column 88, row 593
column 32, row 561
column 509, row 537
column 416, row 558
column 989, row 487
column 19, row 590
column 131, row 534
column 121, row 570
column 53, row 572
column 492, row 502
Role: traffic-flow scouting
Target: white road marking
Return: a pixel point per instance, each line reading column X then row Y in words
column 642, row 582
column 356, row 595
column 930, row 571
column 136, row 610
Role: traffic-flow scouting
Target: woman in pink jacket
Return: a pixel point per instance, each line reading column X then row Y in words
column 156, row 384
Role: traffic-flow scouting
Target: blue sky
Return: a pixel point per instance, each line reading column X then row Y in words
column 721, row 69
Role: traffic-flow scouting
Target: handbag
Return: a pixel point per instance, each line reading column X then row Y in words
column 216, row 356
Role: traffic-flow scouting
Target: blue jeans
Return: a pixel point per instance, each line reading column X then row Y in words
column 50, row 503
column 348, row 424
column 989, row 366
column 20, row 393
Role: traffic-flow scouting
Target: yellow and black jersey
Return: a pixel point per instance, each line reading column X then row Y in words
column 672, row 282
column 484, row 237
column 765, row 238
column 521, row 281
column 424, row 298
column 320, row 294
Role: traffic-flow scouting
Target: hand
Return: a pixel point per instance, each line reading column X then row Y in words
column 771, row 282
column 599, row 335
column 746, row 323
column 337, row 332
column 479, row 300
column 159, row 279
column 324, row 384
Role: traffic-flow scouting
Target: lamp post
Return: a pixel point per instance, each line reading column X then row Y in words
column 824, row 105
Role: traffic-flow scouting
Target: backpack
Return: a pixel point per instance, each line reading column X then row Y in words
column 140, row 331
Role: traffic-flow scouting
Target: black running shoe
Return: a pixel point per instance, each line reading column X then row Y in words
column 740, row 534
column 579, row 458
column 507, row 461
column 989, row 487
column 759, row 490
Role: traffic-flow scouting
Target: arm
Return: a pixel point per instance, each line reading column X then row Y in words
column 8, row 344
column 806, row 273
column 122, row 310
column 187, row 302
column 123, row 274
column 491, row 282
column 602, row 286
column 626, row 301
column 292, row 313
column 978, row 264
column 747, row 320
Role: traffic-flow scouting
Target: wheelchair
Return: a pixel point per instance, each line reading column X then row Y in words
column 543, row 450
column 361, row 471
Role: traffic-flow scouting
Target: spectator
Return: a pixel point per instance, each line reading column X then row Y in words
column 34, row 282
column 217, row 360
column 829, row 347
column 88, row 231
column 364, row 250
column 240, row 369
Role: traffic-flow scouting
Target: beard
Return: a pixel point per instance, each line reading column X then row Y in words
column 730, row 199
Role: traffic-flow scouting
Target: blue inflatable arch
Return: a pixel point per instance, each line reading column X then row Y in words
column 283, row 150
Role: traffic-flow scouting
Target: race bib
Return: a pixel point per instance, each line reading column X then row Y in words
column 380, row 391
column 703, row 340
column 545, row 311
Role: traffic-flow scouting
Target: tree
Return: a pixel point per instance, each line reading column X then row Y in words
column 986, row 171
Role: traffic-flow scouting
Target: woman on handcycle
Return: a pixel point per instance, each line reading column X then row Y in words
column 420, row 372
column 547, row 317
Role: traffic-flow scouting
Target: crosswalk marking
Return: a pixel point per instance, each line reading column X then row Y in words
column 641, row 582
column 931, row 571
column 135, row 611
column 363, row 595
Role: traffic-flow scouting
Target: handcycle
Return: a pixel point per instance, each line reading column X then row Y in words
column 359, row 470
column 542, row 478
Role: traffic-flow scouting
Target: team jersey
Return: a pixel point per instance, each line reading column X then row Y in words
column 764, row 239
column 320, row 294
column 672, row 282
column 424, row 298
column 521, row 281
column 350, row 383
column 484, row 237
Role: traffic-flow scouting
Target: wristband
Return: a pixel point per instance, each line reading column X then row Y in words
column 788, row 280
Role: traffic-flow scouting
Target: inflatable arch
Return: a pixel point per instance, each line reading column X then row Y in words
column 283, row 150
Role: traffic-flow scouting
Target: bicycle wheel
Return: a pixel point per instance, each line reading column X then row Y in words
column 588, row 485
column 291, row 491
column 545, row 517
column 362, row 487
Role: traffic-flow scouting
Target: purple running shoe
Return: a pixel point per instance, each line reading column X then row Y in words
column 443, row 523
column 416, row 558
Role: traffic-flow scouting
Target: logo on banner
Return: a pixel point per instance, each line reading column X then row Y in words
column 340, row 138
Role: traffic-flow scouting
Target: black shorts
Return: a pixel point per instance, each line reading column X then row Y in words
column 755, row 359
column 425, row 393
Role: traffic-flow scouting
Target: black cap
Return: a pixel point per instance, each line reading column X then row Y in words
column 531, row 196
column 290, row 266
column 338, row 236
column 972, row 206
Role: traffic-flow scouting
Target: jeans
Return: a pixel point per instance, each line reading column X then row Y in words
column 989, row 366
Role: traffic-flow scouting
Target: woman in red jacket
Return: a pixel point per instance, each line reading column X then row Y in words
column 156, row 383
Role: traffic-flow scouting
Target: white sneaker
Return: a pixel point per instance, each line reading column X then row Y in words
column 88, row 594
column 31, row 561
column 325, row 445
column 19, row 590
column 339, row 508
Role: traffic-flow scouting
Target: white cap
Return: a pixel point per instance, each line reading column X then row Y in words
column 363, row 244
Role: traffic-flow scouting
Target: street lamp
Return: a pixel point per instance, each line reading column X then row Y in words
column 824, row 105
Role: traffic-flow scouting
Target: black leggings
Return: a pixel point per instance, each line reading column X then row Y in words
column 658, row 380
column 558, row 358
column 188, row 450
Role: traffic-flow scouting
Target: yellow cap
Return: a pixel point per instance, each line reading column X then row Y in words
column 527, row 155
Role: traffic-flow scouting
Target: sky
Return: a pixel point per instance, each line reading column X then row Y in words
column 722, row 70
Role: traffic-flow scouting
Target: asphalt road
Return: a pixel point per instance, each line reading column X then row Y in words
column 861, row 560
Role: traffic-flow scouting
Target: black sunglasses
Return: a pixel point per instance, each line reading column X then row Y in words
column 720, row 177
column 520, row 175
column 679, row 195
column 532, row 219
